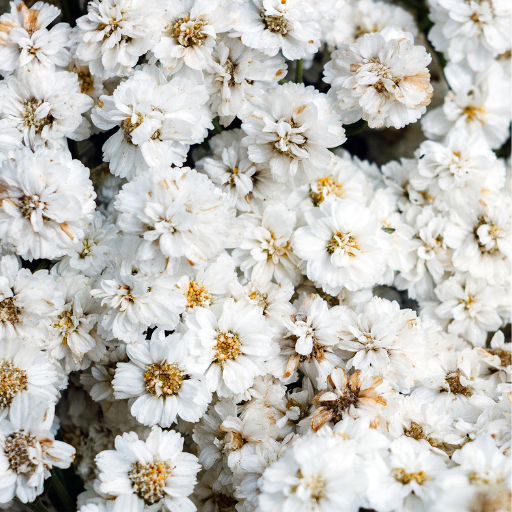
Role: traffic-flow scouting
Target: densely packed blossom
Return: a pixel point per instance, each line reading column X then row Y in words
column 228, row 282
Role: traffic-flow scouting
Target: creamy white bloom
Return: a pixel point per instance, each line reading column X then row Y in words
column 307, row 343
column 45, row 107
column 156, row 471
column 229, row 168
column 478, row 103
column 352, row 19
column 472, row 30
column 73, row 339
column 273, row 25
column 385, row 339
column 25, row 38
column 190, row 33
column 177, row 213
column 482, row 241
column 28, row 302
column 229, row 348
column 455, row 172
column 158, row 120
column 25, row 370
column 134, row 301
column 238, row 78
column 342, row 245
column 316, row 473
column 28, row 450
column 158, row 383
column 264, row 251
column 470, row 307
column 381, row 78
column 93, row 252
column 407, row 479
column 47, row 200
column 291, row 131
column 114, row 34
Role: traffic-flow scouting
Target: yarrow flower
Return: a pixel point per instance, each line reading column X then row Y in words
column 381, row 78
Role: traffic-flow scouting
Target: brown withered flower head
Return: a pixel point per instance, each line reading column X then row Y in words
column 355, row 395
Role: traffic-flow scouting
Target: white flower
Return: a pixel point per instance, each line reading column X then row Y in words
column 28, row 450
column 25, row 39
column 46, row 202
column 271, row 25
column 239, row 77
column 177, row 212
column 342, row 245
column 28, row 302
column 315, row 473
column 156, row 471
column 73, row 337
column 114, row 34
column 343, row 178
column 385, row 339
column 475, row 30
column 478, row 103
column 264, row 253
column 291, row 130
column 455, row 172
column 352, row 19
column 92, row 253
column 205, row 287
column 25, row 370
column 470, row 307
column 158, row 381
column 229, row 349
column 190, row 33
column 229, row 168
column 45, row 107
column 307, row 343
column 407, row 479
column 135, row 301
column 158, row 121
column 482, row 241
column 381, row 78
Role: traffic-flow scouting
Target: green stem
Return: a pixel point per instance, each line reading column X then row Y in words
column 217, row 128
column 299, row 68
column 36, row 505
column 61, row 491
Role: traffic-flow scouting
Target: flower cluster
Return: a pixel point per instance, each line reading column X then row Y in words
column 218, row 293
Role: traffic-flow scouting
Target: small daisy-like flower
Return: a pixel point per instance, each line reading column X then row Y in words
column 229, row 168
column 229, row 349
column 28, row 450
column 45, row 107
column 409, row 475
column 381, row 78
column 177, row 212
column 264, row 251
column 25, row 369
column 158, row 381
column 354, row 396
column 272, row 25
column 291, row 130
column 114, row 34
column 46, row 201
column 190, row 33
column 238, row 77
column 315, row 474
column 343, row 246
column 156, row 471
column 28, row 302
column 157, row 120
column 25, row 38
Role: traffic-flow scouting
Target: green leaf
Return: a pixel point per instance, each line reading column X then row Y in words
column 355, row 128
